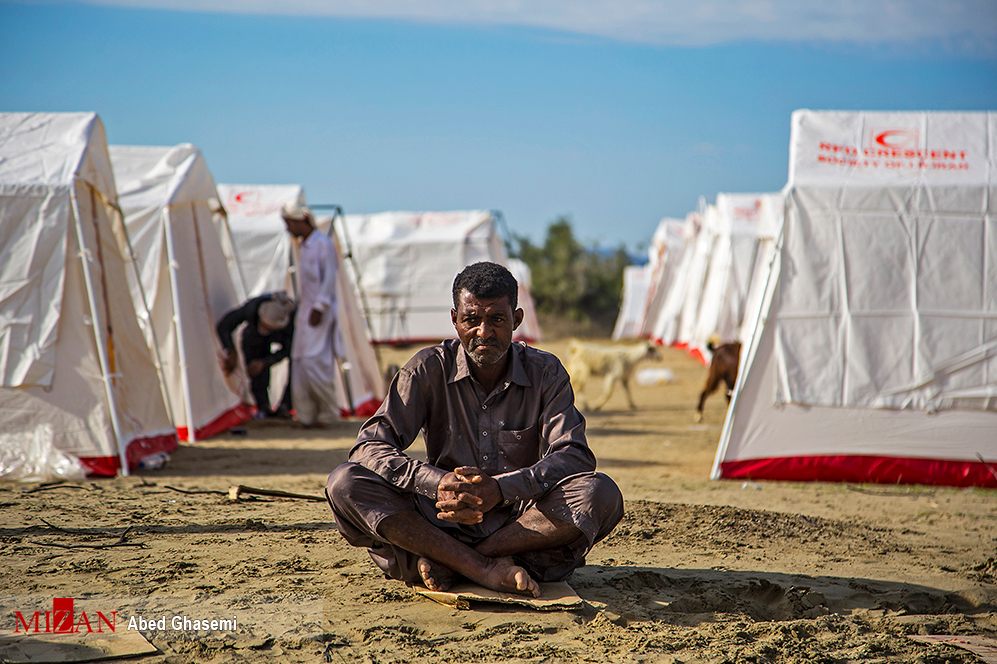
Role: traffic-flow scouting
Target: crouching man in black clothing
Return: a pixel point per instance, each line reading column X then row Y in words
column 266, row 340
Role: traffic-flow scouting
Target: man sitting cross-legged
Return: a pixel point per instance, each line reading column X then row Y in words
column 508, row 495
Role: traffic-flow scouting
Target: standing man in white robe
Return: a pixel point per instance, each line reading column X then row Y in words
column 313, row 347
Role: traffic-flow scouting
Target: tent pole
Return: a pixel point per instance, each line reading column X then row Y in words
column 338, row 214
column 200, row 265
column 344, row 374
column 148, row 313
column 748, row 350
column 341, row 364
column 175, row 291
column 503, row 230
column 235, row 256
column 85, row 258
column 292, row 267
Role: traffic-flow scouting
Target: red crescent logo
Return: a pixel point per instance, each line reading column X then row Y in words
column 895, row 138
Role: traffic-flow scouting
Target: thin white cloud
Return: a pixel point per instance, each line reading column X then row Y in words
column 964, row 24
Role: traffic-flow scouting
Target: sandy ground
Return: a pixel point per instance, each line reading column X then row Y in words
column 698, row 571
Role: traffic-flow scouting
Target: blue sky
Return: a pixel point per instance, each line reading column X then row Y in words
column 615, row 113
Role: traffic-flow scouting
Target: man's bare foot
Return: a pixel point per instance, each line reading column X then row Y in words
column 435, row 576
column 506, row 576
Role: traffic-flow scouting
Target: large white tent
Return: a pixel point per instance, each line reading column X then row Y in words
column 173, row 217
column 874, row 355
column 74, row 366
column 267, row 257
column 406, row 263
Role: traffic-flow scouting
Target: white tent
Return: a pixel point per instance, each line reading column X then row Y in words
column 668, row 245
column 702, row 253
column 636, row 283
column 874, row 357
column 529, row 330
column 744, row 227
column 74, row 367
column 663, row 327
column 709, row 291
column 262, row 244
column 267, row 256
column 173, row 219
column 771, row 214
column 645, row 286
column 407, row 262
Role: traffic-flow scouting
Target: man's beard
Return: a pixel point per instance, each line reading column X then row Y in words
column 485, row 353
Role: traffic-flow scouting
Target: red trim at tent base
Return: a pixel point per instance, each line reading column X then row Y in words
column 230, row 418
column 138, row 449
column 364, row 410
column 862, row 469
column 691, row 351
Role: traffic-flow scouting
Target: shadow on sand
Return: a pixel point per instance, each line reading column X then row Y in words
column 694, row 596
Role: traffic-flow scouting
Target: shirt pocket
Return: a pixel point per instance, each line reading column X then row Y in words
column 518, row 449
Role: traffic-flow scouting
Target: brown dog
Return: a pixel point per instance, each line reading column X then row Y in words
column 723, row 367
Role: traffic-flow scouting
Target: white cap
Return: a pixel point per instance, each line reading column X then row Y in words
column 275, row 313
column 292, row 210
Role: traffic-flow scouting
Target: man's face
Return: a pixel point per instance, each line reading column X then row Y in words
column 485, row 327
column 296, row 227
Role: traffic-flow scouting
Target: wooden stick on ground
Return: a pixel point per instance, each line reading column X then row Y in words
column 194, row 491
column 239, row 490
column 121, row 541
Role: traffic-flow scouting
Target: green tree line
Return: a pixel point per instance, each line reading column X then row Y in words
column 573, row 284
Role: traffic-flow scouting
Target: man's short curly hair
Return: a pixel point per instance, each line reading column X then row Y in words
column 486, row 281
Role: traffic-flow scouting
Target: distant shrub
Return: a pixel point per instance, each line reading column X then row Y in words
column 571, row 282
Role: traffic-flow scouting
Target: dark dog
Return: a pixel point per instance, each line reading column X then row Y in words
column 723, row 367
